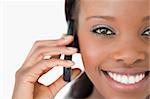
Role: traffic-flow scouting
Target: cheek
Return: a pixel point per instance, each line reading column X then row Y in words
column 90, row 52
column 93, row 52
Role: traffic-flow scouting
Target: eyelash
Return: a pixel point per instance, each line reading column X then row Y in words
column 108, row 31
column 103, row 30
column 147, row 31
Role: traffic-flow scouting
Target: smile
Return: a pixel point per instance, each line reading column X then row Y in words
column 126, row 79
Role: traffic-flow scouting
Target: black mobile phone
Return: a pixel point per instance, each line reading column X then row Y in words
column 68, row 71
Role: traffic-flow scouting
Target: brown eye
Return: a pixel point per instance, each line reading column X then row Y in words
column 146, row 32
column 101, row 30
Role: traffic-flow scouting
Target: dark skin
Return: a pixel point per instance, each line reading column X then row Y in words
column 126, row 50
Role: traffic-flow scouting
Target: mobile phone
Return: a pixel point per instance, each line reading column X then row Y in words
column 68, row 71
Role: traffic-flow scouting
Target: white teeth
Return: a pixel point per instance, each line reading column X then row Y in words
column 137, row 78
column 124, row 79
column 115, row 76
column 110, row 74
column 131, row 79
column 118, row 77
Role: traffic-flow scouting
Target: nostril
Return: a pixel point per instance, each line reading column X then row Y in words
column 119, row 60
column 129, row 56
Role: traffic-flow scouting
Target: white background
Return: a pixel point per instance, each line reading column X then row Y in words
column 22, row 22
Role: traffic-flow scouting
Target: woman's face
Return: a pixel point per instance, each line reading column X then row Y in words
column 114, row 37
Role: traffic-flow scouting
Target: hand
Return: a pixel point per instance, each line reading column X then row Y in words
column 26, row 83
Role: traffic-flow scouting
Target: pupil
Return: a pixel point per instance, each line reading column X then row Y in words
column 103, row 31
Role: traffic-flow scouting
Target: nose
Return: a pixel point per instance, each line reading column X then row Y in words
column 128, row 55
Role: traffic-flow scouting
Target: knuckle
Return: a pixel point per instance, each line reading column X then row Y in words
column 42, row 51
column 22, row 75
column 37, row 43
column 19, row 73
column 39, row 50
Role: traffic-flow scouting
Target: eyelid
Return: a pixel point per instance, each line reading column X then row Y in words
column 102, row 25
column 142, row 29
column 147, row 27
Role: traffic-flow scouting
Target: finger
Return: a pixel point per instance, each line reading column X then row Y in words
column 54, row 51
column 40, row 53
column 31, row 74
column 60, row 83
column 26, row 77
column 65, row 40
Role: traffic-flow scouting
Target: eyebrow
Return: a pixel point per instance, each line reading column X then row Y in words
column 102, row 17
column 146, row 18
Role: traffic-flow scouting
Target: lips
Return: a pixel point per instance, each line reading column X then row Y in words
column 126, row 79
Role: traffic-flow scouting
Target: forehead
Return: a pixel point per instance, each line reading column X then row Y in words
column 118, row 8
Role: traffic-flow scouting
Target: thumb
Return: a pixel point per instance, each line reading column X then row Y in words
column 60, row 83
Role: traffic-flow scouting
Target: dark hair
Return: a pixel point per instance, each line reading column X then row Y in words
column 82, row 87
column 69, row 7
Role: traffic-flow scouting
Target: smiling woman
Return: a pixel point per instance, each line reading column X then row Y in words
column 113, row 38
column 116, row 57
